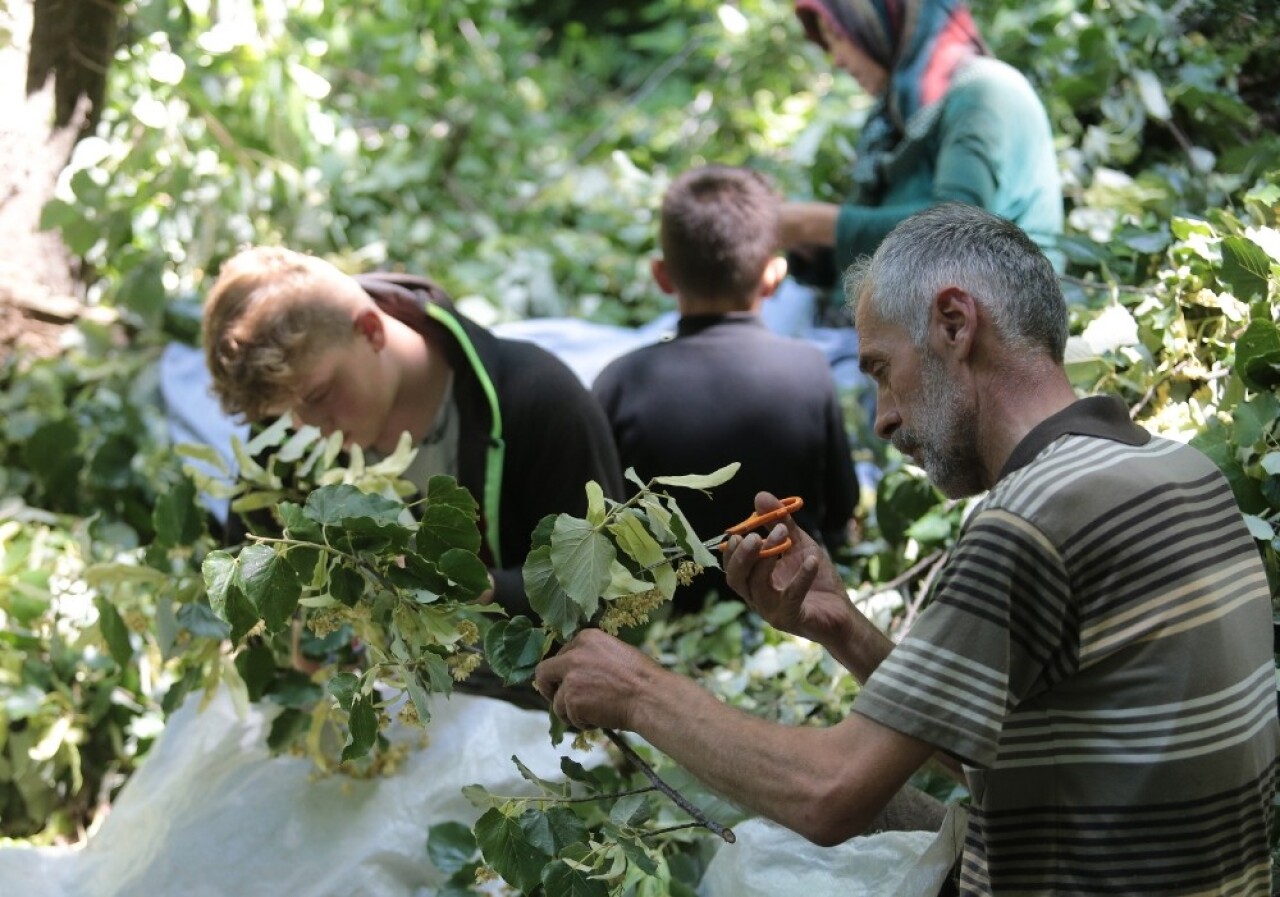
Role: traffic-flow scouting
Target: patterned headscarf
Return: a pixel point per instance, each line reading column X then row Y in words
column 921, row 43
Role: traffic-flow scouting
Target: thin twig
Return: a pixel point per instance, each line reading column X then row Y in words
column 902, row 578
column 679, row 799
column 914, row 607
column 1101, row 285
column 671, row 828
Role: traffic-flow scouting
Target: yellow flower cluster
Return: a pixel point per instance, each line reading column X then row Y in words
column 468, row 632
column 326, row 621
column 585, row 740
column 409, row 714
column 462, row 665
column 687, row 571
column 630, row 610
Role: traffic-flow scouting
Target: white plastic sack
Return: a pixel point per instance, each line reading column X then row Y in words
column 771, row 861
column 212, row 814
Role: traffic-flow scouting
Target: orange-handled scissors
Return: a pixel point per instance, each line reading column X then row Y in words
column 789, row 505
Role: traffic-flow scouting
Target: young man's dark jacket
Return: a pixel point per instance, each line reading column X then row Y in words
column 550, row 436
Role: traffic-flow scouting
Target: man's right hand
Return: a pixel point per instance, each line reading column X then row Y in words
column 798, row 592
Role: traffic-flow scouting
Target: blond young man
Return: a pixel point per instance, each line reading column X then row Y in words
column 377, row 355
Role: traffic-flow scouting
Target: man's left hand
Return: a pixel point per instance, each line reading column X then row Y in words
column 596, row 681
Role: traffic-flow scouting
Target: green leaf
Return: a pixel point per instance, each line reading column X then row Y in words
column 444, row 528
column 542, row 532
column 688, row 540
column 1258, row 355
column 271, row 583
column 344, row 687
column 220, row 575
column 362, row 724
column 1246, row 267
column 514, row 647
column 636, row 541
column 553, row 829
column 595, row 503
column 1258, row 528
column 346, row 585
column 114, row 631
column 257, row 667
column 631, row 811
column 621, row 583
column 346, row 506
column 547, row 597
column 202, row 622
column 901, row 499
column 581, row 556
column 451, row 846
column 444, row 490
column 177, row 518
column 631, row 475
column 507, row 849
column 564, row 880
column 704, row 481
column 465, row 570
column 297, row 525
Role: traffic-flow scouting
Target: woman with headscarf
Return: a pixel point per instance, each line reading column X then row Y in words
column 951, row 123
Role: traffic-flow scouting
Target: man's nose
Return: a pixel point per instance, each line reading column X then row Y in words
column 888, row 420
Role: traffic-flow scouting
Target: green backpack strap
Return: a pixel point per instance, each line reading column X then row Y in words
column 496, row 452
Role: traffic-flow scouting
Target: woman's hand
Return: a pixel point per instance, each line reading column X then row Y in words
column 803, row 224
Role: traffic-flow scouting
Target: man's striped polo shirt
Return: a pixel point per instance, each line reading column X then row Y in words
column 1098, row 652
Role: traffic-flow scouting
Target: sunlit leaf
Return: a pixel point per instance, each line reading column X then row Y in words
column 702, row 481
column 581, row 556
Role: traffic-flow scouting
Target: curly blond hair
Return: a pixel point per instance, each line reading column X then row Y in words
column 270, row 312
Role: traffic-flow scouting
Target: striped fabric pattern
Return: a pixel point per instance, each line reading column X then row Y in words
column 1098, row 653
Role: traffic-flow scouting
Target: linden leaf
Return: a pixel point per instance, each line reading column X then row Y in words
column 702, row 481
column 580, row 555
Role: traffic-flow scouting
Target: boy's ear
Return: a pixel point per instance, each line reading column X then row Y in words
column 368, row 324
column 659, row 269
column 774, row 273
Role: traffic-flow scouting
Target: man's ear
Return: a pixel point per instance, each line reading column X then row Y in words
column 658, row 268
column 953, row 322
column 368, row 324
column 774, row 273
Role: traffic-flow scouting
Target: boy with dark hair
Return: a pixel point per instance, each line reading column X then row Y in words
column 726, row 389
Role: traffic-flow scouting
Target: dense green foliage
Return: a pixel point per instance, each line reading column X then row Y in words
column 515, row 152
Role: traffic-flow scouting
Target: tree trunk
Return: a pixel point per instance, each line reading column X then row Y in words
column 52, row 83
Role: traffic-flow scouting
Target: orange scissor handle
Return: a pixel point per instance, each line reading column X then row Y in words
column 789, row 505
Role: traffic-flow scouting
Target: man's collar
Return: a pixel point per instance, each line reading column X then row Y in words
column 1105, row 417
column 691, row 324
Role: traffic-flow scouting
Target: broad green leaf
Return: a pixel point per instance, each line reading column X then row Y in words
column 114, row 631
column 514, row 647
column 480, row 797
column 687, row 539
column 1258, row 528
column 547, row 597
column 564, row 880
column 930, row 528
column 270, row 583
column 1246, row 267
column 444, row 490
column 581, row 556
column 346, row 585
column 1258, row 355
column 101, row 576
column 451, row 846
column 636, row 541
column 256, row 500
column 445, row 527
column 1152, row 94
column 659, row 518
column 703, row 481
column 621, row 583
column 362, row 726
column 467, row 571
column 557, row 789
column 257, row 667
column 343, row 505
column 418, row 695
column 553, row 829
column 507, row 849
column 201, row 621
column 902, row 499
column 344, row 686
column 1256, row 419
column 1271, row 463
column 595, row 503
column 542, row 532
column 631, row 811
column 177, row 518
column 220, row 574
column 436, row 672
